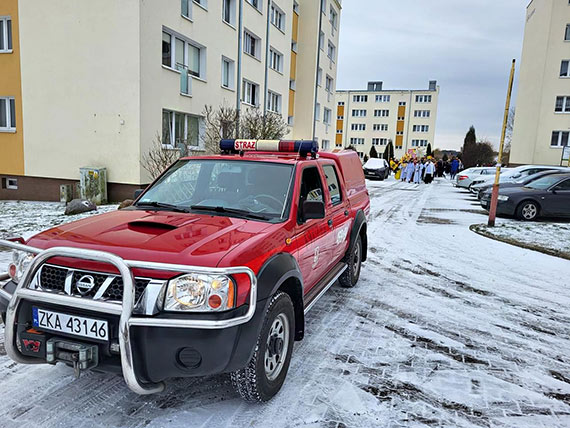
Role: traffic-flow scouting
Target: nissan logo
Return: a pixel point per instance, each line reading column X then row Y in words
column 85, row 284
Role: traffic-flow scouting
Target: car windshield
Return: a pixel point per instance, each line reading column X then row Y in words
column 239, row 188
column 544, row 182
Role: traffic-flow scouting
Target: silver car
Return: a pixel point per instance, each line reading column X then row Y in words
column 466, row 177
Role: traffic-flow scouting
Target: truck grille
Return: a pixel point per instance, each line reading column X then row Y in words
column 52, row 278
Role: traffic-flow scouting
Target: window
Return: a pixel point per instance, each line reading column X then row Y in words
column 381, row 113
column 565, row 68
column 273, row 102
column 179, row 129
column 5, row 34
column 325, row 144
column 203, row 3
column 380, row 127
column 360, row 98
column 329, row 84
column 184, row 55
column 420, row 128
column 252, row 44
column 421, row 113
column 399, row 132
column 322, row 40
column 358, row 113
column 402, row 103
column 275, row 60
column 358, row 127
column 311, row 188
column 332, row 184
column 7, row 114
column 320, row 77
column 294, row 46
column 340, row 117
column 256, row 4
column 559, row 139
column 9, row 183
column 327, row 114
column 166, row 49
column 567, row 35
column 360, row 155
column 186, row 8
column 419, row 143
column 401, row 118
column 250, row 92
column 277, row 17
column 333, row 18
column 341, row 103
column 296, row 7
column 563, row 187
column 290, row 120
column 324, row 6
column 357, row 141
column 339, row 131
column 423, row 98
column 228, row 67
column 562, row 105
column 331, row 52
column 292, row 84
column 379, row 141
column 229, row 11
column 382, row 98
column 317, row 111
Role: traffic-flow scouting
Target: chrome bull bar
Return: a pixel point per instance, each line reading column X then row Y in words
column 124, row 311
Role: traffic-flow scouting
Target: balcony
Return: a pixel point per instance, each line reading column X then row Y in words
column 185, row 80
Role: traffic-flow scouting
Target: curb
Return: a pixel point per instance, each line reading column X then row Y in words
column 549, row 251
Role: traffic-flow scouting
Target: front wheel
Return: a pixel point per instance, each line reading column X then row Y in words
column 353, row 260
column 528, row 211
column 265, row 373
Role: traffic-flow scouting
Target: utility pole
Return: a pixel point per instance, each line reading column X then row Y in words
column 495, row 195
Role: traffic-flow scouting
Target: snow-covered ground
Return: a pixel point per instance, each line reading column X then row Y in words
column 446, row 328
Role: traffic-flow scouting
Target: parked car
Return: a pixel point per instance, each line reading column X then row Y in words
column 519, row 182
column 548, row 196
column 211, row 270
column 511, row 174
column 376, row 168
column 466, row 177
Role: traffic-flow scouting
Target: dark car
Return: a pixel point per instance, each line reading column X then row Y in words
column 376, row 168
column 519, row 182
column 548, row 196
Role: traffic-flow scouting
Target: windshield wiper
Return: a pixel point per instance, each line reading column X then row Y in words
column 224, row 210
column 156, row 204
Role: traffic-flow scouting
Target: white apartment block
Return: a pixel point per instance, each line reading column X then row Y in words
column 375, row 116
column 542, row 120
column 102, row 81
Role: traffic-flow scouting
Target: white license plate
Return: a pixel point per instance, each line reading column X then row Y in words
column 70, row 324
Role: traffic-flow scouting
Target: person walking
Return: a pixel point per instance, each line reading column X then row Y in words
column 430, row 171
column 410, row 168
column 454, row 168
column 417, row 172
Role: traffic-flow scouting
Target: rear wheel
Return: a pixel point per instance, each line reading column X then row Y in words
column 265, row 373
column 528, row 211
column 353, row 260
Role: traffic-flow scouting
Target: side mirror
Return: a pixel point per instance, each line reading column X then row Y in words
column 138, row 193
column 313, row 210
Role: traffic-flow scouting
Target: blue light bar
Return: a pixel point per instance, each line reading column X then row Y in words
column 302, row 147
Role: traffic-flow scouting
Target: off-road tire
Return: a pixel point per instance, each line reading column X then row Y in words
column 353, row 260
column 252, row 382
column 528, row 211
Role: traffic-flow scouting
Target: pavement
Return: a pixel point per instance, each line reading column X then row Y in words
column 445, row 328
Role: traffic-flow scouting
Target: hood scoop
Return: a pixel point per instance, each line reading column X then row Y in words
column 150, row 227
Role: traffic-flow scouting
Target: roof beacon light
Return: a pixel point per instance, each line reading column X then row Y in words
column 302, row 147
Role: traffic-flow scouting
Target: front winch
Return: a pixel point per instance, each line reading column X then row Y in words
column 80, row 355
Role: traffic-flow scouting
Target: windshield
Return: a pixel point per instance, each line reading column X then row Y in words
column 544, row 182
column 234, row 187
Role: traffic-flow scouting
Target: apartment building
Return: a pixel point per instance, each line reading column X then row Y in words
column 101, row 82
column 542, row 120
column 376, row 117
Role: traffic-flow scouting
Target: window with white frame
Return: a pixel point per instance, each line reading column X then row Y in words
column 329, row 84
column 360, row 98
column 358, row 113
column 380, row 127
column 562, row 105
column 7, row 114
column 275, row 60
column 296, row 7
column 357, row 141
column 422, row 113
column 340, row 117
column 273, row 102
column 186, row 9
column 401, row 118
column 341, row 103
column 229, row 11
column 317, row 111
column 567, row 34
column 381, row 113
column 565, row 68
column 559, row 138
column 258, row 4
column 9, row 183
column 379, row 141
column 399, row 132
column 324, row 6
column 402, row 104
column 250, row 93
column 5, row 34
column 331, row 52
column 419, row 143
column 320, row 76
column 251, row 44
column 277, row 17
column 420, row 128
column 333, row 17
column 327, row 115
column 423, row 98
column 292, row 84
column 203, row 3
column 358, row 126
column 294, row 46
column 183, row 54
column 382, row 98
column 322, row 40
column 325, row 144
column 339, row 131
column 179, row 129
column 228, row 73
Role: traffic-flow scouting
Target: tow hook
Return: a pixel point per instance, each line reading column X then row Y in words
column 80, row 355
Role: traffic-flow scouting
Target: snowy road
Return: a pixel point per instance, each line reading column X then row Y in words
column 445, row 328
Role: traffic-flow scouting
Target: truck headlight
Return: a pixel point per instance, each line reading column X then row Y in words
column 200, row 293
column 20, row 261
column 502, row 198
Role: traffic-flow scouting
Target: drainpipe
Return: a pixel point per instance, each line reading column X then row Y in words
column 239, row 60
column 265, row 93
column 317, row 71
column 409, row 114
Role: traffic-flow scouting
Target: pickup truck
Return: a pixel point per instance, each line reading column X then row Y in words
column 211, row 270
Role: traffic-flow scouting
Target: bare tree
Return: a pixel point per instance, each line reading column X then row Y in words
column 219, row 124
column 257, row 126
column 158, row 158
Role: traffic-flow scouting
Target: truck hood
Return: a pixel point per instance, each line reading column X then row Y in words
column 157, row 236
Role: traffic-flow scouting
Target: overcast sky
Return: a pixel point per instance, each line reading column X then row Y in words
column 466, row 45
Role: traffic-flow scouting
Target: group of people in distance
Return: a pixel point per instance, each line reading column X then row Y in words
column 415, row 170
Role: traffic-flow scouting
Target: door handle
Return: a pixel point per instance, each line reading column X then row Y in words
column 330, row 223
column 346, row 213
